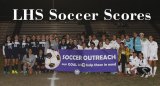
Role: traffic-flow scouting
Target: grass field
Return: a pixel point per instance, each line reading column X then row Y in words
column 69, row 79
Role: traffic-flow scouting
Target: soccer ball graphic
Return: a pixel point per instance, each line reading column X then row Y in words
column 53, row 59
column 76, row 72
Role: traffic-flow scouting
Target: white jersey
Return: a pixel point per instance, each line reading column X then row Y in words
column 79, row 47
column 95, row 48
column 109, row 46
column 102, row 47
column 114, row 44
column 145, row 44
column 143, row 63
column 134, row 61
column 123, row 40
column 153, row 50
column 95, row 42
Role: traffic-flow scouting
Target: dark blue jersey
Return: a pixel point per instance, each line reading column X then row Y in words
column 40, row 60
column 34, row 46
column 42, row 45
column 23, row 47
column 16, row 48
column 7, row 49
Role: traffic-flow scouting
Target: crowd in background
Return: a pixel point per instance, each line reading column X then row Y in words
column 137, row 54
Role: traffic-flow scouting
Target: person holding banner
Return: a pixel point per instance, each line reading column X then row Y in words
column 92, row 47
column 123, row 55
column 100, row 45
column 107, row 44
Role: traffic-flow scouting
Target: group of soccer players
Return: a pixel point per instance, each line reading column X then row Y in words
column 137, row 54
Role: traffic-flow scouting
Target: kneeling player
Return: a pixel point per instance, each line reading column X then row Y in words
column 144, row 67
column 29, row 61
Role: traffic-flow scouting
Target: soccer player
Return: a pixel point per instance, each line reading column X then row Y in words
column 92, row 47
column 129, row 43
column 34, row 45
column 114, row 43
column 144, row 43
column 63, row 44
column 100, row 45
column 137, row 47
column 152, row 53
column 123, row 55
column 42, row 44
column 144, row 67
column 133, row 63
column 7, row 53
column 40, row 62
column 15, row 51
column 95, row 40
column 70, row 45
column 29, row 61
column 23, row 50
column 107, row 44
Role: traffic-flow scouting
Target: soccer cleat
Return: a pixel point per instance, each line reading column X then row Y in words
column 25, row 72
column 152, row 75
column 142, row 75
column 16, row 72
column 146, row 76
column 4, row 72
column 13, row 72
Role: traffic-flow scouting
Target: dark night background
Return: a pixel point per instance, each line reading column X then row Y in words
column 120, row 6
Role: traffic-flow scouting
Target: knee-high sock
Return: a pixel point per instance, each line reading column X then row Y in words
column 154, row 70
column 21, row 67
column 24, row 68
column 5, row 68
column 13, row 67
column 151, row 70
column 120, row 68
column 128, row 70
column 16, row 66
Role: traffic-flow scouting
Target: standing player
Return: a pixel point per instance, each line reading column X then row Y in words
column 137, row 47
column 23, row 50
column 114, row 43
column 123, row 55
column 7, row 53
column 42, row 43
column 144, row 43
column 107, row 44
column 129, row 43
column 34, row 45
column 152, row 53
column 15, row 51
